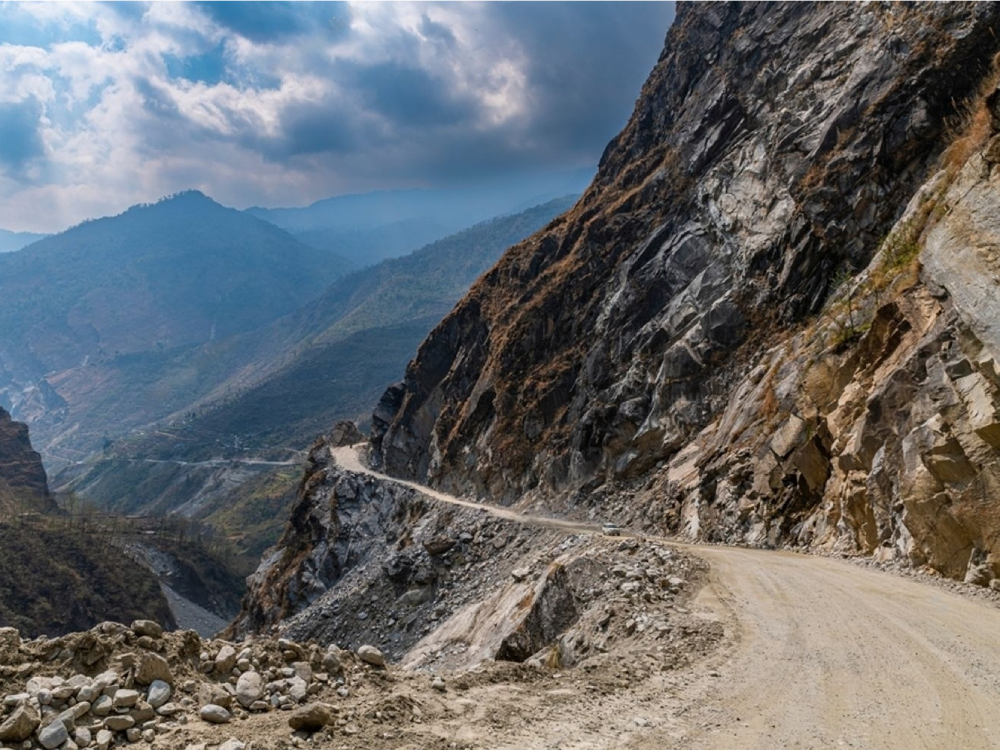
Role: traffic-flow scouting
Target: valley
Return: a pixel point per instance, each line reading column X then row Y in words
column 701, row 450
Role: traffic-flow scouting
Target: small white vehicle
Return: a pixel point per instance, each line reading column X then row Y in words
column 611, row 529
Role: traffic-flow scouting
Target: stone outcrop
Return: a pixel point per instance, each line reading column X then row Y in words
column 21, row 470
column 771, row 146
column 339, row 521
column 368, row 563
column 887, row 441
column 671, row 345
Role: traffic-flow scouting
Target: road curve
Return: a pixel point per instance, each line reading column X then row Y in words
column 348, row 457
column 829, row 654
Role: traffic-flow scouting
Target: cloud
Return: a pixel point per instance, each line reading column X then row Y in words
column 411, row 97
column 103, row 105
column 22, row 140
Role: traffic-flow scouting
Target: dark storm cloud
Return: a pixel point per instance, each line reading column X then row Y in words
column 292, row 102
column 409, row 96
column 315, row 129
column 586, row 65
column 20, row 139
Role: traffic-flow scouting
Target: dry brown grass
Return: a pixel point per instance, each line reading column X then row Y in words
column 971, row 127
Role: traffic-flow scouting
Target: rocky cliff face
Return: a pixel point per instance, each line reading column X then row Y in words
column 876, row 428
column 21, row 471
column 673, row 348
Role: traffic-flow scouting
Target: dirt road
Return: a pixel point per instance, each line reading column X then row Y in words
column 833, row 655
column 825, row 654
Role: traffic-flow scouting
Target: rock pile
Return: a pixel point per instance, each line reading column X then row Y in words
column 118, row 685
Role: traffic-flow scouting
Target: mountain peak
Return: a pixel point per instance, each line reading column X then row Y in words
column 187, row 196
column 188, row 199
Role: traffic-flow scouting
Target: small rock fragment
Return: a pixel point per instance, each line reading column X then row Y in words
column 20, row 724
column 225, row 660
column 371, row 655
column 125, row 698
column 53, row 735
column 147, row 628
column 159, row 693
column 119, row 723
column 150, row 667
column 249, row 688
column 215, row 714
column 103, row 739
column 312, row 717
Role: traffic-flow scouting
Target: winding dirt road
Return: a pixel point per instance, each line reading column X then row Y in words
column 827, row 654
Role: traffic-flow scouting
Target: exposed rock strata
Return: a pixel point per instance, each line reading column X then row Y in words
column 338, row 520
column 889, row 445
column 771, row 146
column 363, row 561
column 633, row 342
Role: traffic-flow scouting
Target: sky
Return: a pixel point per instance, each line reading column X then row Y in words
column 105, row 105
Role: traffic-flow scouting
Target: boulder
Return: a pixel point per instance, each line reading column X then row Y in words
column 312, row 717
column 249, row 688
column 439, row 545
column 215, row 714
column 159, row 693
column 125, row 698
column 103, row 739
column 298, row 688
column 10, row 644
column 102, row 706
column 150, row 668
column 53, row 735
column 106, row 679
column 142, row 712
column 119, row 723
column 332, row 661
column 168, row 709
column 303, row 669
column 147, row 628
column 20, row 724
column 345, row 432
column 543, row 616
column 371, row 655
column 225, row 660
column 83, row 737
column 216, row 694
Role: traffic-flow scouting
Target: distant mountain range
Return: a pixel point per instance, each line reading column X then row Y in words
column 363, row 327
column 178, row 357
column 370, row 227
column 289, row 382
column 93, row 316
column 11, row 241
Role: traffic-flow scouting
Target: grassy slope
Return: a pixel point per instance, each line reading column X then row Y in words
column 54, row 581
